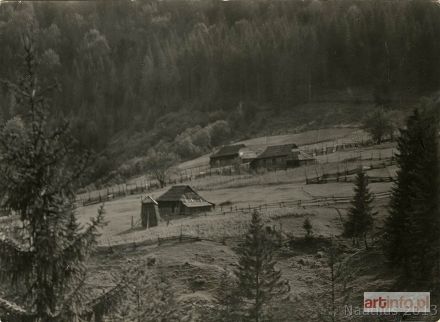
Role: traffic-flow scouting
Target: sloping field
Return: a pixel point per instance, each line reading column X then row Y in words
column 193, row 271
column 311, row 139
column 234, row 192
column 122, row 213
column 194, row 268
column 344, row 134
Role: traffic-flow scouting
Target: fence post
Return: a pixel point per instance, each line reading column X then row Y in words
column 345, row 171
column 281, row 235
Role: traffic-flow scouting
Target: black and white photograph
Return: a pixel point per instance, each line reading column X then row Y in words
column 219, row 160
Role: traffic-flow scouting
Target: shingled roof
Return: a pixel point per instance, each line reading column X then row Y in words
column 175, row 193
column 148, row 199
column 186, row 194
column 302, row 156
column 277, row 151
column 228, row 150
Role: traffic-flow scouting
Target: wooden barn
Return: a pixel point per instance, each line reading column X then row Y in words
column 182, row 200
column 281, row 157
column 150, row 216
column 226, row 156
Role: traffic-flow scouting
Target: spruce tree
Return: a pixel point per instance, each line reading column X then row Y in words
column 40, row 170
column 259, row 281
column 335, row 279
column 307, row 225
column 360, row 215
column 148, row 297
column 411, row 230
column 228, row 306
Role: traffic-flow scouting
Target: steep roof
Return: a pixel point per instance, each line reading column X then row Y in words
column 175, row 193
column 196, row 203
column 148, row 199
column 228, row 150
column 277, row 151
column 304, row 156
column 247, row 154
column 186, row 194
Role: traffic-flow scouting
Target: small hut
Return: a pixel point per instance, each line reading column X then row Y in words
column 226, row 156
column 282, row 157
column 150, row 216
column 183, row 200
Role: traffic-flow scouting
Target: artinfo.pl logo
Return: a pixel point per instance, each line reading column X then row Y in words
column 386, row 302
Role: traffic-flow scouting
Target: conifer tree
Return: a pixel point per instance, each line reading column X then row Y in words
column 259, row 281
column 228, row 300
column 149, row 298
column 307, row 225
column 39, row 173
column 411, row 230
column 360, row 215
column 335, row 280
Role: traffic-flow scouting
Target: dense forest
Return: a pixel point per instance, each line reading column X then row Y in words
column 192, row 73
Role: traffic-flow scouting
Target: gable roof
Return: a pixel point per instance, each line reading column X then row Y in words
column 196, row 203
column 148, row 199
column 175, row 193
column 277, row 151
column 228, row 150
column 305, row 156
column 186, row 194
column 247, row 154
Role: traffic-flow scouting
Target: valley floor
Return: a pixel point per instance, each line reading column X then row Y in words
column 192, row 252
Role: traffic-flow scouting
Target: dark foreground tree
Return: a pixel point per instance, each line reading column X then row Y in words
column 259, row 281
column 228, row 306
column 412, row 228
column 39, row 173
column 360, row 215
column 148, row 297
column 330, row 303
column 307, row 225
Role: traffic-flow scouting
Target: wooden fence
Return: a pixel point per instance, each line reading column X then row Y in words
column 348, row 174
column 303, row 203
column 186, row 233
column 189, row 175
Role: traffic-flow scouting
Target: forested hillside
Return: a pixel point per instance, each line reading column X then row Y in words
column 193, row 74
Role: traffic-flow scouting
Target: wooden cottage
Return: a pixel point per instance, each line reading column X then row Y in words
column 247, row 155
column 150, row 216
column 281, row 157
column 226, row 156
column 182, row 200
